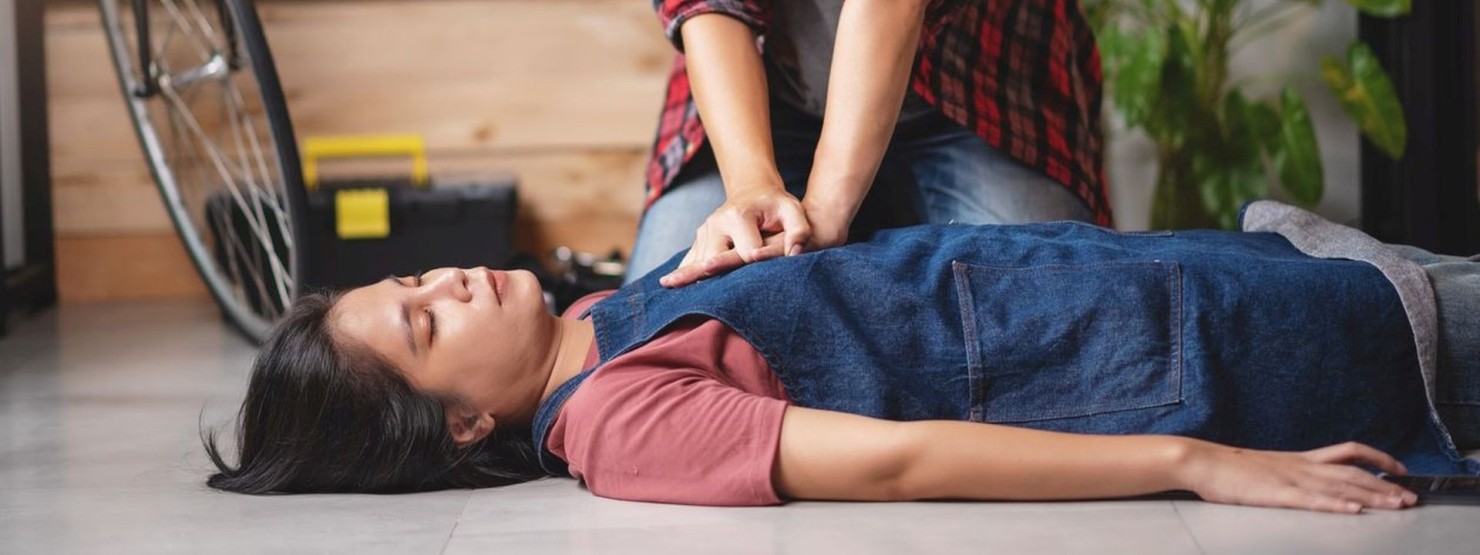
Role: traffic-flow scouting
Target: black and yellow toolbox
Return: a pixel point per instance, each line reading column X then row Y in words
column 360, row 230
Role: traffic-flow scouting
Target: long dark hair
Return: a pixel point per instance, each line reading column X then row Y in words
column 323, row 416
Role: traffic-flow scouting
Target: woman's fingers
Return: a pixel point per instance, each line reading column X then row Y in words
column 713, row 239
column 1352, row 452
column 731, row 259
column 683, row 275
column 691, row 269
column 1324, row 482
column 1318, row 480
column 1309, row 493
column 1366, row 480
column 736, row 234
column 795, row 228
column 772, row 246
column 1353, row 484
column 707, row 242
column 1296, row 498
column 724, row 262
column 1360, row 485
column 740, row 230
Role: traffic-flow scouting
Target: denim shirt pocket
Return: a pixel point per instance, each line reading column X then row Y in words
column 1064, row 341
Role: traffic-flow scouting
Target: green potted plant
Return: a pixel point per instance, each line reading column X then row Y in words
column 1166, row 68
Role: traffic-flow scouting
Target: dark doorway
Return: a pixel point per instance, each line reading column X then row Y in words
column 1430, row 198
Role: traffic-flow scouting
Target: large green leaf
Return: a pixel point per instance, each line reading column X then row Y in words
column 1229, row 170
column 1254, row 127
column 1388, row 8
column 1176, row 114
column 1299, row 159
column 1367, row 95
column 1264, row 119
column 1137, row 59
column 1225, row 183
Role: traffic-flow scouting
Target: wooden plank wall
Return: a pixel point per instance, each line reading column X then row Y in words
column 564, row 93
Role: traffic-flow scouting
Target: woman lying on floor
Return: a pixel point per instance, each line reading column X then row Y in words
column 1050, row 361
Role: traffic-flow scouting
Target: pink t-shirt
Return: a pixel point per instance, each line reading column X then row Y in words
column 692, row 417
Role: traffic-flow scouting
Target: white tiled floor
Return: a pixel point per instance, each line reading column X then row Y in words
column 99, row 452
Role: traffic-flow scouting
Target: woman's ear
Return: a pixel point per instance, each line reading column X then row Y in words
column 467, row 427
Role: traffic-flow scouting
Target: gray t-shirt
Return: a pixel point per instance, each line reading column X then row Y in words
column 798, row 55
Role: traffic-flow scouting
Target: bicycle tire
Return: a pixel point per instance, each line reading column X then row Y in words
column 210, row 238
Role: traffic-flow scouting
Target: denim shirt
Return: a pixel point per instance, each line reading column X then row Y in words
column 1237, row 338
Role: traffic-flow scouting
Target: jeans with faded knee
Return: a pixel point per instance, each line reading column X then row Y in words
column 944, row 171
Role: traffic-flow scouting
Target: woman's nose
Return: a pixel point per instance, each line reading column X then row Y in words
column 451, row 282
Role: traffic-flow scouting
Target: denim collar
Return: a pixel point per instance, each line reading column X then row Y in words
column 544, row 418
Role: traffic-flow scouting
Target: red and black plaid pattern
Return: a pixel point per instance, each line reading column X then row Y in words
column 1024, row 75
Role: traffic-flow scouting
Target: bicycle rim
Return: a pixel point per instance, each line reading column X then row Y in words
column 217, row 138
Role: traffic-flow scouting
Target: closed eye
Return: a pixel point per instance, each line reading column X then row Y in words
column 431, row 326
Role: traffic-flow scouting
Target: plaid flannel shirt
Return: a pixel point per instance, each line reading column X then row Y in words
column 1024, row 75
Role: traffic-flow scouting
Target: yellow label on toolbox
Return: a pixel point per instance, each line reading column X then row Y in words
column 362, row 213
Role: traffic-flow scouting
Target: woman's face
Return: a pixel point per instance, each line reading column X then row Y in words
column 476, row 335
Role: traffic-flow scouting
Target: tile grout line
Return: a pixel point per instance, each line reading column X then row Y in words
column 1188, row 528
column 453, row 531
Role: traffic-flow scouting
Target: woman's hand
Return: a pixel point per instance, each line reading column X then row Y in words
column 1321, row 479
column 755, row 223
column 743, row 230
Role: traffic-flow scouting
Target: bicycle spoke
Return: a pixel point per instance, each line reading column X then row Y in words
column 221, row 165
column 244, row 135
column 222, row 222
column 241, row 256
column 240, row 263
column 258, row 187
column 197, row 179
column 203, row 48
column 269, row 177
column 255, row 192
column 202, row 23
column 159, row 53
column 185, row 157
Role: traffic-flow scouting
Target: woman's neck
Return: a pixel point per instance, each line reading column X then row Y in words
column 570, row 346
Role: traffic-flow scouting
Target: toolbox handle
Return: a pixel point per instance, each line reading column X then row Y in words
column 364, row 146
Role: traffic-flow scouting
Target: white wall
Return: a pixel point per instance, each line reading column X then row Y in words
column 13, row 249
column 1291, row 55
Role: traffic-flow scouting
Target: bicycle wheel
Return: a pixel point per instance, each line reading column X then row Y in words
column 203, row 93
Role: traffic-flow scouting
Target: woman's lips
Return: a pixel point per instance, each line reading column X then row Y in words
column 497, row 279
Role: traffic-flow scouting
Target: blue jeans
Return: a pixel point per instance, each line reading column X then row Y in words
column 934, row 171
column 1456, row 282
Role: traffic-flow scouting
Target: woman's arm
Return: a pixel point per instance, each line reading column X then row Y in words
column 832, row 455
column 729, row 83
column 871, row 63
